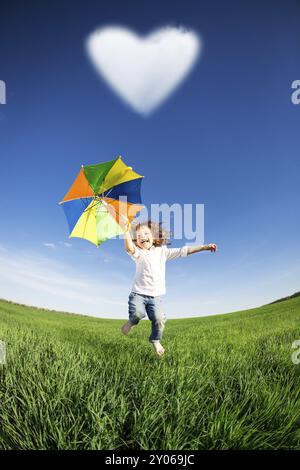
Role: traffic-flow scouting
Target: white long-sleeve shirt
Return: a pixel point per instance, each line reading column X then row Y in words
column 151, row 268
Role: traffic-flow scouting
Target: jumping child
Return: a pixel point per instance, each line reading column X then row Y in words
column 149, row 251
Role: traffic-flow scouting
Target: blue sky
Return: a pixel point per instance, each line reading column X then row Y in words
column 228, row 138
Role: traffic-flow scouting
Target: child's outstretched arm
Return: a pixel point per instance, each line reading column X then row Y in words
column 195, row 249
column 128, row 243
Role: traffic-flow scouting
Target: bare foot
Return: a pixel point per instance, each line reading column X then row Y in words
column 126, row 328
column 158, row 348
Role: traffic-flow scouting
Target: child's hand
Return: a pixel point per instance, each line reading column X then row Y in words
column 212, row 247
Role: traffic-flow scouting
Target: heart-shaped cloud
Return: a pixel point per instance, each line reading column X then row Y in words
column 143, row 71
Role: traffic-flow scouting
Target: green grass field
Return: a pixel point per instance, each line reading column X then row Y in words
column 226, row 382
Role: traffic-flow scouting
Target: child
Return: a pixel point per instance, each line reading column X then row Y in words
column 149, row 251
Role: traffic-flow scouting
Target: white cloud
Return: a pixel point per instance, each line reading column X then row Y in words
column 53, row 245
column 143, row 71
column 49, row 245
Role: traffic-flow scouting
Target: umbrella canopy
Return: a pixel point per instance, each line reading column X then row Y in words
column 101, row 199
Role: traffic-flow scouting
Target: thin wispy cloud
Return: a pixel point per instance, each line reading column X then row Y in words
column 54, row 245
column 99, row 285
column 36, row 279
column 49, row 245
column 66, row 244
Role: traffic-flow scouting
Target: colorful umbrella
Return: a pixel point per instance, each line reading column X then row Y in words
column 101, row 199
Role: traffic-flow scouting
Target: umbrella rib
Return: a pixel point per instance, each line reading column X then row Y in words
column 102, row 182
column 110, row 190
column 90, row 207
column 84, row 202
column 94, row 203
column 115, row 210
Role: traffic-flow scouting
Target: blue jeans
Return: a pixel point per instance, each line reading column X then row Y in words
column 139, row 305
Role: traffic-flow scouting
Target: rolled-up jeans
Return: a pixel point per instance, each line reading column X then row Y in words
column 139, row 305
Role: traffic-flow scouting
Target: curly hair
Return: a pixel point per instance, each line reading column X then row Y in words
column 160, row 235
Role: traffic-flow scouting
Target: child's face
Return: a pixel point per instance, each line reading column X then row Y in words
column 144, row 238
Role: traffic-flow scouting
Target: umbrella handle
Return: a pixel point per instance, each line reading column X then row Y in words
column 126, row 220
